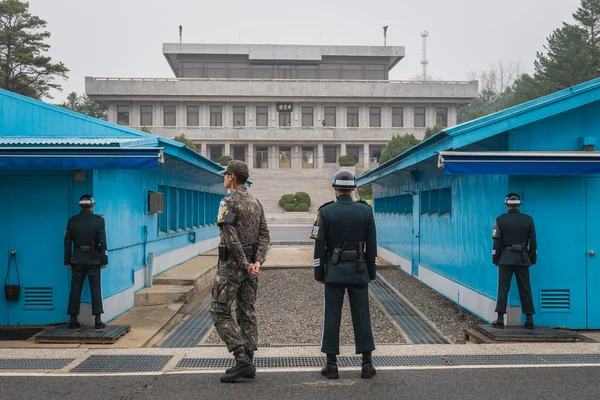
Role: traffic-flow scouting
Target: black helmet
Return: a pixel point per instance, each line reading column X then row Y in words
column 343, row 179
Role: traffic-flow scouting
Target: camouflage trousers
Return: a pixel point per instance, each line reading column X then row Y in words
column 235, row 283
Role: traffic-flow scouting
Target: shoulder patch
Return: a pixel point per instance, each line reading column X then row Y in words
column 314, row 233
column 363, row 202
column 323, row 205
column 225, row 216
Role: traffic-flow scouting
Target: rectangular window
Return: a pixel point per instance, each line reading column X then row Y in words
column 239, row 70
column 285, row 157
column 308, row 157
column 239, row 116
column 441, row 116
column 193, row 116
column 445, row 202
column 285, row 119
column 419, row 117
column 181, row 209
column 352, row 117
column 215, row 151
column 163, row 226
column 434, row 203
column 123, row 115
column 375, row 152
column 375, row 117
column 397, row 117
column 425, row 203
column 262, row 157
column 145, row 115
column 307, row 72
column 170, row 117
column 239, row 153
column 307, row 116
column 330, row 116
column 262, row 71
column 262, row 116
column 354, row 152
column 216, row 116
column 189, row 202
column 375, row 72
column 330, row 154
column 172, row 210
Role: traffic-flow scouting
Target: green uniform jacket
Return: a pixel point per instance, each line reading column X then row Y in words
column 86, row 229
column 339, row 222
column 514, row 228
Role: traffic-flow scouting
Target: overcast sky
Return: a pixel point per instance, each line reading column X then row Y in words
column 123, row 38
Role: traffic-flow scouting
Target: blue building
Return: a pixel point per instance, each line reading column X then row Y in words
column 49, row 157
column 436, row 204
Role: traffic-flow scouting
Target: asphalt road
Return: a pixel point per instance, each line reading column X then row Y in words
column 465, row 384
column 291, row 233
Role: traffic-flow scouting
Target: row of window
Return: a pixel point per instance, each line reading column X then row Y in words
column 433, row 203
column 242, row 70
column 186, row 209
column 261, row 154
column 285, row 118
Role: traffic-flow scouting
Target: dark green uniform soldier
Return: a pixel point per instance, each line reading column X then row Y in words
column 87, row 257
column 345, row 258
column 514, row 251
column 243, row 248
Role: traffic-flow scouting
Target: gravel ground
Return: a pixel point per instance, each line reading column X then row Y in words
column 290, row 311
column 450, row 319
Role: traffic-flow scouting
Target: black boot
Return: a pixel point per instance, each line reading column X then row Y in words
column 244, row 368
column 330, row 370
column 368, row 370
column 529, row 321
column 499, row 323
column 250, row 354
column 74, row 323
column 98, row 324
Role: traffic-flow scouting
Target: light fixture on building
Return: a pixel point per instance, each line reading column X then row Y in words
column 78, row 176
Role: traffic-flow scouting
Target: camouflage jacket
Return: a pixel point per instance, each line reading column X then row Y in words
column 242, row 222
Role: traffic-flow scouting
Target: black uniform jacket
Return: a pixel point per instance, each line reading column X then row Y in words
column 337, row 223
column 514, row 228
column 86, row 231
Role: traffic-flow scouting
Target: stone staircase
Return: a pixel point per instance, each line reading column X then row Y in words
column 270, row 184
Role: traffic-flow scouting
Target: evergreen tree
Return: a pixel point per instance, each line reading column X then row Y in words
column 398, row 144
column 85, row 105
column 23, row 67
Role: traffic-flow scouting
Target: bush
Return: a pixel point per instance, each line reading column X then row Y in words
column 303, row 197
column 285, row 199
column 289, row 207
column 224, row 160
column 347, row 161
column 302, row 207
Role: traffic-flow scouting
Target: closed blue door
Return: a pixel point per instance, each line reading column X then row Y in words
column 592, row 250
column 37, row 213
column 4, row 251
column 416, row 247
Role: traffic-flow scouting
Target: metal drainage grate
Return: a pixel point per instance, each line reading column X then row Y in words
column 192, row 330
column 416, row 328
column 399, row 361
column 122, row 363
column 35, row 363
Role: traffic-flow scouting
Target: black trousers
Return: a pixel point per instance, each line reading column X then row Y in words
column 361, row 317
column 505, row 273
column 78, row 274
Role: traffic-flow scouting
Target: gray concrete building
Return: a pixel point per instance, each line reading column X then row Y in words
column 282, row 106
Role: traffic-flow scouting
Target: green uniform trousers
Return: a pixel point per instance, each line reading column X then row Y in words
column 78, row 274
column 361, row 317
column 505, row 273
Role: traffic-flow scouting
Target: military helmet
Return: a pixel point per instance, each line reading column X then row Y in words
column 87, row 200
column 343, row 179
column 512, row 199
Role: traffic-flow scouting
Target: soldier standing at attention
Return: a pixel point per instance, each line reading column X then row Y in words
column 514, row 251
column 345, row 258
column 243, row 248
column 87, row 233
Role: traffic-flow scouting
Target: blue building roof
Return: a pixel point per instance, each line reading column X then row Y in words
column 29, row 124
column 482, row 128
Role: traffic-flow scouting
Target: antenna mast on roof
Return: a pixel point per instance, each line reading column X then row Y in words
column 385, row 35
column 424, row 61
column 180, row 33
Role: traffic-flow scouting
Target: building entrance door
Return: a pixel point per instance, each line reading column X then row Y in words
column 416, row 247
column 592, row 250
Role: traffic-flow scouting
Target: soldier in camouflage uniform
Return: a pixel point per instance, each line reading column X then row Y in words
column 243, row 248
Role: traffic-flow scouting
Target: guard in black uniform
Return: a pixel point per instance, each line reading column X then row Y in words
column 89, row 255
column 345, row 259
column 514, row 251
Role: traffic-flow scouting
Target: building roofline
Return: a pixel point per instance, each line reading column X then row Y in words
column 488, row 126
